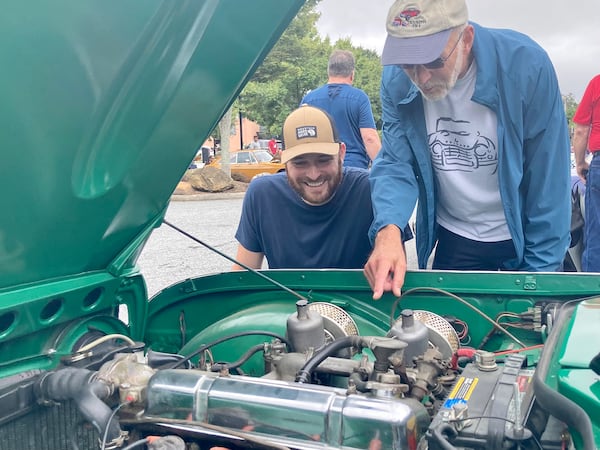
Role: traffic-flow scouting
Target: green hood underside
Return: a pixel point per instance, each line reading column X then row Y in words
column 104, row 104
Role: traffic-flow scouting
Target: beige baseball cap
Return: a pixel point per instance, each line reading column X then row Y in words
column 418, row 31
column 309, row 130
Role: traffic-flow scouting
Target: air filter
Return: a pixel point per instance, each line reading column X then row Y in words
column 441, row 334
column 337, row 322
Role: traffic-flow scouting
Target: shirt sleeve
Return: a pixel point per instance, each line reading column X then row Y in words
column 545, row 184
column 394, row 189
column 583, row 115
column 247, row 232
column 366, row 113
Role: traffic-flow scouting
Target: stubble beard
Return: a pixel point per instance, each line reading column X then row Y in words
column 332, row 182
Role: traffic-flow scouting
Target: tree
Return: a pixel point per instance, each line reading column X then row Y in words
column 292, row 68
column 297, row 64
column 225, row 132
column 570, row 108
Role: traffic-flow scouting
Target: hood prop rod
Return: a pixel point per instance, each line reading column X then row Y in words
column 248, row 268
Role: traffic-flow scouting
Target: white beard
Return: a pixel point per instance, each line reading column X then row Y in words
column 445, row 87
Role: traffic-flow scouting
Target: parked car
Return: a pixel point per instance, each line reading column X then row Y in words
column 246, row 164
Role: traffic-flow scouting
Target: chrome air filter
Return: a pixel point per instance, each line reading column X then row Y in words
column 441, row 334
column 337, row 322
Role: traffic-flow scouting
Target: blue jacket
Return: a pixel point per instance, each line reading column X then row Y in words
column 515, row 79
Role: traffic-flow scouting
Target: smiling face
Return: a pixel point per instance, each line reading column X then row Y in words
column 315, row 177
column 435, row 84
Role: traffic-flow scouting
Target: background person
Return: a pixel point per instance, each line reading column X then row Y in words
column 474, row 126
column 587, row 137
column 350, row 108
column 316, row 214
column 254, row 145
column 273, row 146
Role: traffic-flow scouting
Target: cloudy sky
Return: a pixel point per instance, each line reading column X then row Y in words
column 568, row 31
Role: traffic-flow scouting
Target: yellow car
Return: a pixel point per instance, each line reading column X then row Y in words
column 246, row 164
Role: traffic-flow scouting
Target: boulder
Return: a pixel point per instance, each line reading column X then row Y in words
column 209, row 179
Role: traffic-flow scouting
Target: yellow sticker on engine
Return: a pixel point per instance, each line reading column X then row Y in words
column 461, row 392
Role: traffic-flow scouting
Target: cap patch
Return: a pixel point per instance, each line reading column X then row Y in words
column 409, row 17
column 307, row 131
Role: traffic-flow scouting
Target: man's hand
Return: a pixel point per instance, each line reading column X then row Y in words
column 582, row 170
column 580, row 145
column 386, row 266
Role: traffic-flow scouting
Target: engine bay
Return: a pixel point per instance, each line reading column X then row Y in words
column 426, row 380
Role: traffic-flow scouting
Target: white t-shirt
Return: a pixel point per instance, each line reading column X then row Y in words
column 463, row 142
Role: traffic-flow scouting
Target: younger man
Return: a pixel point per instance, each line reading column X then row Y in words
column 314, row 215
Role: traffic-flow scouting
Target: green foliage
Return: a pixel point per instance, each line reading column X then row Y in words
column 368, row 78
column 297, row 64
column 570, row 108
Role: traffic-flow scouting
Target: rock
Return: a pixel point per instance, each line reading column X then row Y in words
column 209, row 179
column 184, row 188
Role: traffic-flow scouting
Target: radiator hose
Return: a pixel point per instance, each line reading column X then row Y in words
column 81, row 386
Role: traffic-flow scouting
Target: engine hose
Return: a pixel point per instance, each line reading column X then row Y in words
column 80, row 386
column 361, row 385
column 439, row 435
column 306, row 371
column 554, row 402
column 217, row 367
column 205, row 347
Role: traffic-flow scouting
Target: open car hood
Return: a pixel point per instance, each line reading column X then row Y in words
column 103, row 107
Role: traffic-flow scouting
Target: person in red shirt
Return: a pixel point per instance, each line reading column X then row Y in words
column 587, row 138
column 273, row 146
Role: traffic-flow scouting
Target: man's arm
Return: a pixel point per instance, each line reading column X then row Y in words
column 394, row 192
column 372, row 142
column 545, row 185
column 580, row 145
column 253, row 260
column 386, row 266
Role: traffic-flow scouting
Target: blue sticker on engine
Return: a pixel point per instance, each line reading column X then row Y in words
column 461, row 392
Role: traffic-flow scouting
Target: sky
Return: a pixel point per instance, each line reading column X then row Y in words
column 569, row 32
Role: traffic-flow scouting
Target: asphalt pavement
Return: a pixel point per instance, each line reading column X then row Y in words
column 170, row 257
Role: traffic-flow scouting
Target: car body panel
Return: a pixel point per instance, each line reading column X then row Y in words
column 102, row 116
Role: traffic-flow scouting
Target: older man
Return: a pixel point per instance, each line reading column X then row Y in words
column 474, row 127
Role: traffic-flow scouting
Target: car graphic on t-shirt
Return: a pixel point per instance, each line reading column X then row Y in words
column 454, row 147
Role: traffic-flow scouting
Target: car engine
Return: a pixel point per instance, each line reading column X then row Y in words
column 321, row 386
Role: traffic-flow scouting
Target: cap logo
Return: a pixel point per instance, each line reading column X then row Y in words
column 408, row 17
column 308, row 131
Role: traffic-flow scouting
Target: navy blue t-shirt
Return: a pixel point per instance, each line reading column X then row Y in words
column 293, row 234
column 351, row 110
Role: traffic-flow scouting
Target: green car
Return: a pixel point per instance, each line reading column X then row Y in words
column 101, row 93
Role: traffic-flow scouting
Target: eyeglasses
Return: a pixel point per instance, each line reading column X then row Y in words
column 436, row 63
